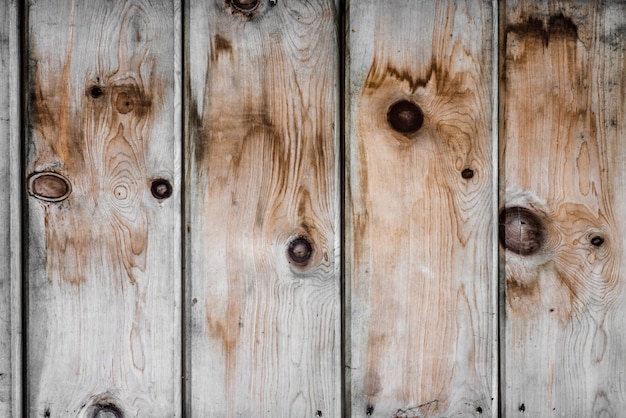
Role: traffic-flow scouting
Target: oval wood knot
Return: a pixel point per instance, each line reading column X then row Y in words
column 405, row 117
column 96, row 92
column 521, row 230
column 161, row 188
column 107, row 411
column 244, row 5
column 300, row 251
column 49, row 186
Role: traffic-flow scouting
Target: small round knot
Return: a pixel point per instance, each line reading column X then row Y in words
column 244, row 5
column 467, row 174
column 521, row 230
column 161, row 188
column 597, row 241
column 49, row 186
column 96, row 92
column 405, row 117
column 300, row 251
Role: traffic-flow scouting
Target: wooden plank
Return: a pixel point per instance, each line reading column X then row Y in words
column 10, row 213
column 563, row 154
column 264, row 285
column 104, row 263
column 420, row 225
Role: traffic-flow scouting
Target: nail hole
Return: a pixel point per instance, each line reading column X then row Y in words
column 245, row 5
column 96, row 92
column 49, row 186
column 479, row 410
column 522, row 407
column 597, row 241
column 318, row 414
column 300, row 251
column 405, row 117
column 369, row 410
column 467, row 173
column 521, row 231
column 161, row 188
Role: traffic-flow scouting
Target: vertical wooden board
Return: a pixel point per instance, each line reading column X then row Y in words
column 104, row 269
column 264, row 284
column 10, row 213
column 562, row 225
column 420, row 224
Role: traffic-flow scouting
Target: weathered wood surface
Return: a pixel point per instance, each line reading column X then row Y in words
column 104, row 263
column 562, row 163
column 420, row 223
column 10, row 213
column 264, row 329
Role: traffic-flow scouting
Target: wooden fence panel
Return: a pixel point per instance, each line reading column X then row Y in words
column 10, row 213
column 562, row 222
column 264, row 285
column 420, row 217
column 103, row 173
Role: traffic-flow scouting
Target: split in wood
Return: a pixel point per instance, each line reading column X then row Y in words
column 521, row 230
column 405, row 117
column 49, row 186
column 300, row 251
column 161, row 188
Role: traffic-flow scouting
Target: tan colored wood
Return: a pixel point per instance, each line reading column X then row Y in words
column 562, row 161
column 103, row 264
column 419, row 224
column 264, row 333
column 10, row 214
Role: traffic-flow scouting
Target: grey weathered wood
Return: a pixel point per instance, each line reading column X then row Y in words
column 10, row 214
column 563, row 160
column 104, row 265
column 420, row 230
column 264, row 333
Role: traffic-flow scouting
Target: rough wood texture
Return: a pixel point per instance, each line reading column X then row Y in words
column 563, row 154
column 264, row 285
column 104, row 269
column 10, row 214
column 419, row 219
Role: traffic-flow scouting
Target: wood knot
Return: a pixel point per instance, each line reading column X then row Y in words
column 49, row 186
column 124, row 103
column 405, row 117
column 161, row 188
column 244, row 5
column 467, row 174
column 107, row 411
column 597, row 241
column 96, row 92
column 300, row 251
column 521, row 231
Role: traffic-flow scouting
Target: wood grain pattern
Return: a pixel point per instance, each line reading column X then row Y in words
column 264, row 331
column 419, row 218
column 104, row 263
column 10, row 214
column 563, row 154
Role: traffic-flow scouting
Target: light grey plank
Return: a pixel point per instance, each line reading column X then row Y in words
column 264, row 333
column 419, row 218
column 104, row 264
